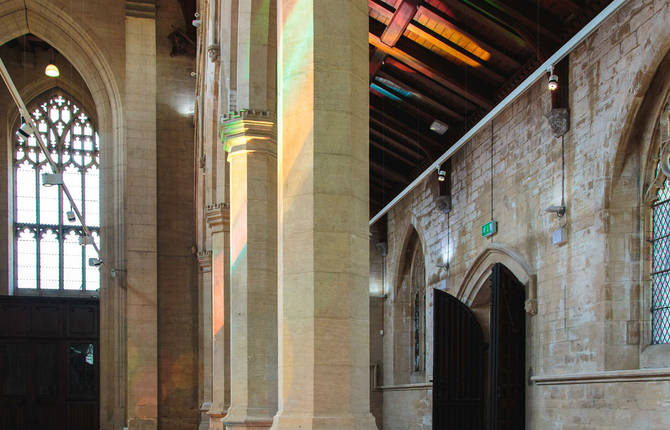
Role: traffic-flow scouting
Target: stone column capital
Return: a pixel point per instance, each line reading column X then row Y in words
column 218, row 217
column 205, row 261
column 249, row 131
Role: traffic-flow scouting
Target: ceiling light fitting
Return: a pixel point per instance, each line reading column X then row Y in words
column 52, row 70
column 439, row 127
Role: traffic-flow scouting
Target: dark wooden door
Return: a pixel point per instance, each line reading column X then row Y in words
column 507, row 352
column 49, row 363
column 458, row 366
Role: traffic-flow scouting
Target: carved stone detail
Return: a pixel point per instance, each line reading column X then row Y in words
column 249, row 130
column 141, row 8
column 214, row 53
column 664, row 162
column 531, row 307
column 205, row 261
column 218, row 217
column 559, row 121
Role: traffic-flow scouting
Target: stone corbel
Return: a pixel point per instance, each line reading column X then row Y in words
column 559, row 121
column 218, row 217
column 214, row 53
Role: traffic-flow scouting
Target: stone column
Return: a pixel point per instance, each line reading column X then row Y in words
column 253, row 251
column 323, row 230
column 205, row 296
column 218, row 219
column 141, row 217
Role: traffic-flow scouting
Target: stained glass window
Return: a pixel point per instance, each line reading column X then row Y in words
column 660, row 266
column 47, row 254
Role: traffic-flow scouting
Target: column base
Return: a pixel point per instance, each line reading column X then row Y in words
column 204, row 416
column 284, row 421
column 248, row 419
column 215, row 418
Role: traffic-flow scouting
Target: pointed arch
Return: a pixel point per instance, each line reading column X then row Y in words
column 480, row 271
column 52, row 23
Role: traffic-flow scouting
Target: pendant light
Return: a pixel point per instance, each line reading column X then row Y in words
column 52, row 70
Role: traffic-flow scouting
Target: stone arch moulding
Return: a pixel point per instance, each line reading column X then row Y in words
column 480, row 270
column 410, row 229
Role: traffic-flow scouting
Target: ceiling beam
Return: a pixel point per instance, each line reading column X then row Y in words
column 430, row 150
column 434, row 14
column 433, row 71
column 393, row 154
column 547, row 25
column 427, row 102
column 462, row 12
column 389, row 121
column 436, row 39
column 387, row 174
column 380, row 136
column 399, row 20
column 403, row 109
column 428, row 86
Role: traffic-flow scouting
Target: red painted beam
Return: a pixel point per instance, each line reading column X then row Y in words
column 403, row 15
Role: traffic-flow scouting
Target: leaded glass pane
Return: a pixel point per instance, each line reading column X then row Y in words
column 49, row 261
column 27, row 259
column 47, row 249
column 73, row 262
column 660, row 266
column 26, row 193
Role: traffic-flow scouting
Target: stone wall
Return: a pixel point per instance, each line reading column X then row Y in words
column 177, row 282
column 587, row 289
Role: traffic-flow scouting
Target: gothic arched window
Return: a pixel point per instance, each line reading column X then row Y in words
column 47, row 253
column 660, row 266
column 418, row 288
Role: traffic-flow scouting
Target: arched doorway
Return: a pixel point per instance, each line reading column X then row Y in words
column 479, row 359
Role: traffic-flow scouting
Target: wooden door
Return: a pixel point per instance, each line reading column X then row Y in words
column 48, row 363
column 507, row 352
column 458, row 366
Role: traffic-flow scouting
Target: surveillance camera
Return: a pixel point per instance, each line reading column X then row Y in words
column 94, row 262
column 196, row 23
column 70, row 216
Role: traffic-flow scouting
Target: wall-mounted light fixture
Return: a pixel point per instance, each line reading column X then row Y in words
column 196, row 22
column 441, row 175
column 85, row 240
column 552, row 84
column 50, row 179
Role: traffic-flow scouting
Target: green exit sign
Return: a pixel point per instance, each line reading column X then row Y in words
column 489, row 229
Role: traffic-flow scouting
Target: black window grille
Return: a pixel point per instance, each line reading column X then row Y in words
column 47, row 253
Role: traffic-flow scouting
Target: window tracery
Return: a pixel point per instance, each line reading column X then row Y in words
column 47, row 253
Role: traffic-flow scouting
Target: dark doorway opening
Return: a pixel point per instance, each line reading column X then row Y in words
column 49, row 371
column 475, row 385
